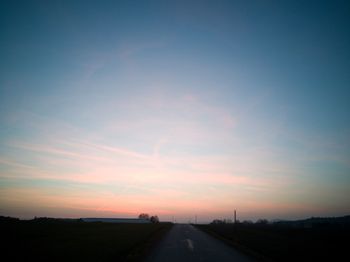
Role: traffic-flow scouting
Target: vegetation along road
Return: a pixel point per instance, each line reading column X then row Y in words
column 73, row 240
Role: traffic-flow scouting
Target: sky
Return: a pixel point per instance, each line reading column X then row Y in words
column 175, row 108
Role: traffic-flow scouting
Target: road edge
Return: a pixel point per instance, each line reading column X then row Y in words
column 244, row 249
column 141, row 251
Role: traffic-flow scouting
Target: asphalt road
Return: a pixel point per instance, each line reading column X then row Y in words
column 187, row 243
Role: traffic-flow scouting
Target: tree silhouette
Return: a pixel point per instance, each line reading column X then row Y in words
column 154, row 219
column 144, row 216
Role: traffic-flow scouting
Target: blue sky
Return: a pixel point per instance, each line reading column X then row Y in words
column 114, row 108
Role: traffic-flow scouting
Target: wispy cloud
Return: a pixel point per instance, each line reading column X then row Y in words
column 189, row 155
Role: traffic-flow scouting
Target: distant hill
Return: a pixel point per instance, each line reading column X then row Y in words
column 317, row 222
column 118, row 220
column 59, row 220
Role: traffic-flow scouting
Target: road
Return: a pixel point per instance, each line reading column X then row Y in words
column 187, row 243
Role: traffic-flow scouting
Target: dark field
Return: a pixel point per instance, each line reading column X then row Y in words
column 55, row 240
column 285, row 243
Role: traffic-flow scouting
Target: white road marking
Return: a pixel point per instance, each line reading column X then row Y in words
column 189, row 244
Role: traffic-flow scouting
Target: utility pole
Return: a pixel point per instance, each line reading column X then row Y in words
column 235, row 219
column 196, row 219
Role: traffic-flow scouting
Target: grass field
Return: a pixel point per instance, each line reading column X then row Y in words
column 278, row 243
column 57, row 240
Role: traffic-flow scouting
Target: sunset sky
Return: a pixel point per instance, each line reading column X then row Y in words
column 175, row 108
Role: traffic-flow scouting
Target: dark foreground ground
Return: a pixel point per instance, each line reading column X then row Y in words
column 57, row 240
column 285, row 243
column 185, row 243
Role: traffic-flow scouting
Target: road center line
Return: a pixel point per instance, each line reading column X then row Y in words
column 189, row 244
